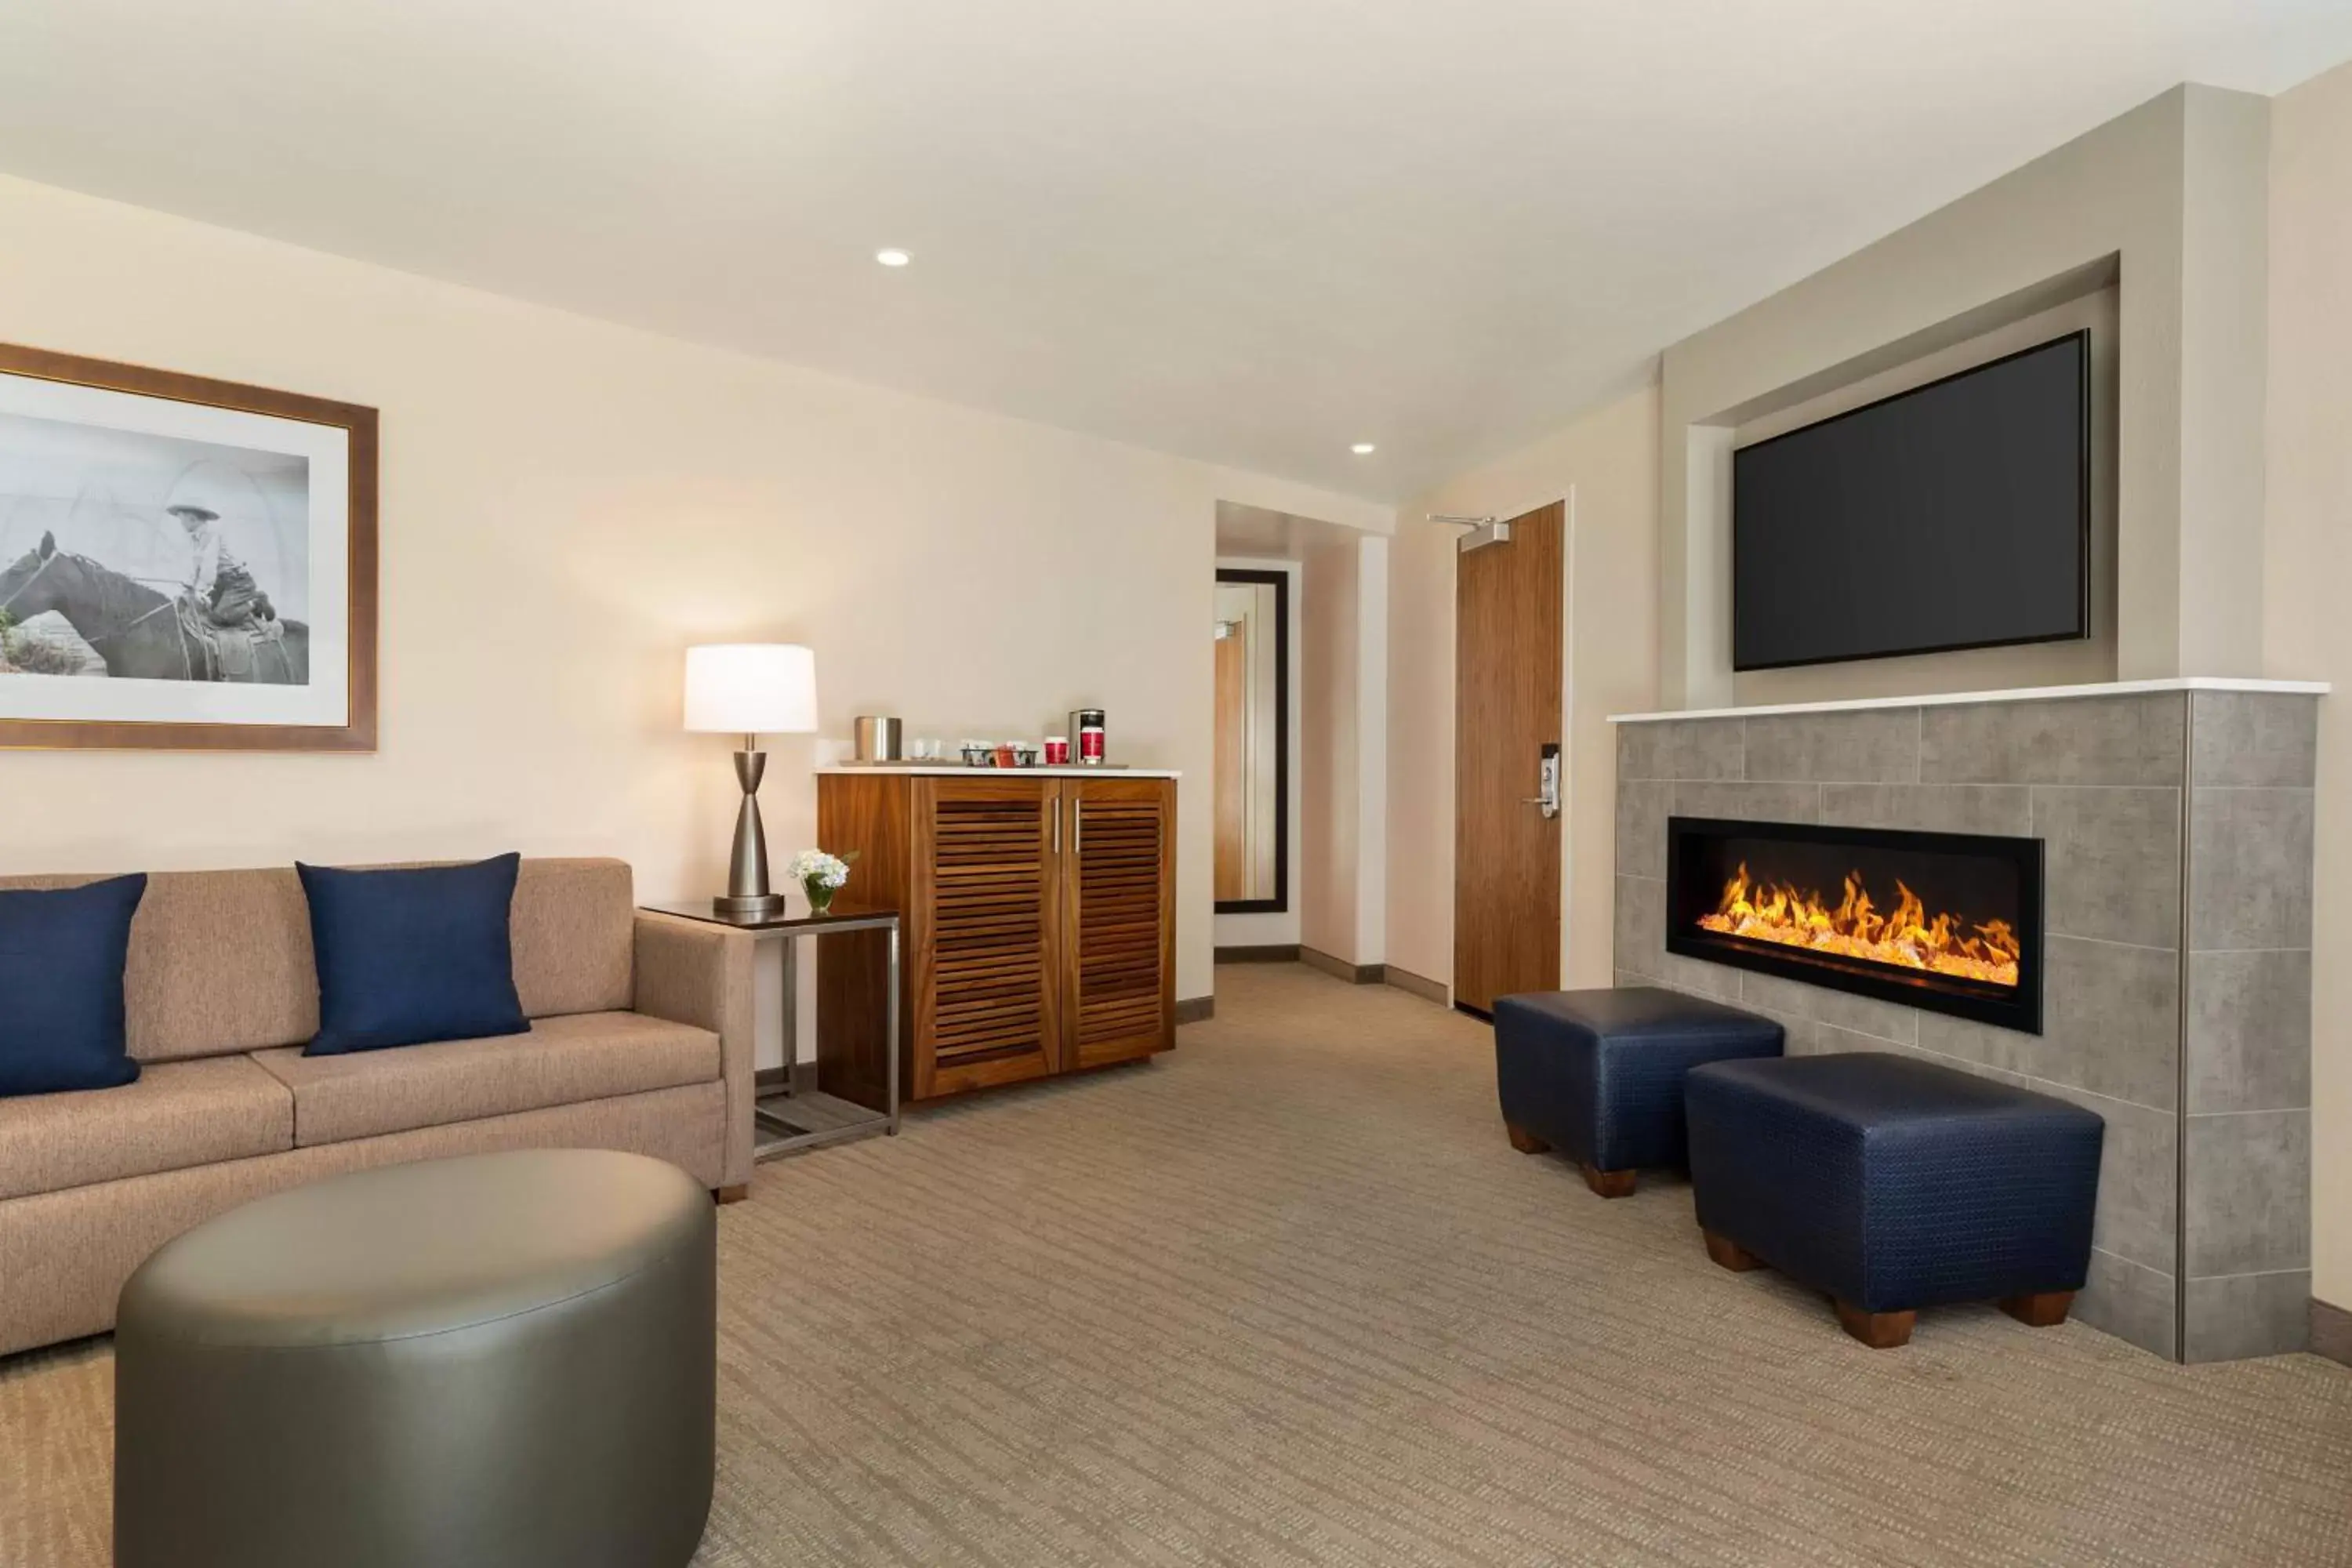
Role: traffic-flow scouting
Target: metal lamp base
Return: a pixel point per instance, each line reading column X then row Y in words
column 748, row 892
column 758, row 904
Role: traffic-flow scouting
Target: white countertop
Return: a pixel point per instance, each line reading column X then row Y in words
column 960, row 770
column 2022, row 694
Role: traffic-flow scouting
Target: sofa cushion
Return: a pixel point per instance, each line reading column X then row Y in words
column 176, row 1115
column 62, row 956
column 220, row 961
column 560, row 1061
column 411, row 954
column 575, row 937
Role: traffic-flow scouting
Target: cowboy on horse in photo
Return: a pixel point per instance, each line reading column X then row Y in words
column 67, row 614
column 222, row 609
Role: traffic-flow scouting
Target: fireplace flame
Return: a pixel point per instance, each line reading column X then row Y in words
column 1907, row 936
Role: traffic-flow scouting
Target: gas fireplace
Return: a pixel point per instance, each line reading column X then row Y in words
column 1949, row 921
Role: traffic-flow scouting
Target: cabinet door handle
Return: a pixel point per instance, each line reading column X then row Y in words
column 1058, row 827
column 1077, row 827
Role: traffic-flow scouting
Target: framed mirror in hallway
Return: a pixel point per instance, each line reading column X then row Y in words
column 1252, row 751
column 1510, row 602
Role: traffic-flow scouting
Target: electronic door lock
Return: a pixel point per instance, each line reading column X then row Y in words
column 1549, row 781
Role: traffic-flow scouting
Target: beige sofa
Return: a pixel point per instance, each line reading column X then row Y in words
column 640, row 1039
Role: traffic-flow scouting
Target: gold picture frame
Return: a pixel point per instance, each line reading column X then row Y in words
column 107, row 451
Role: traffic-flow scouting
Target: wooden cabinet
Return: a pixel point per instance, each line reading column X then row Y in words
column 1119, row 919
column 984, row 910
column 1040, row 923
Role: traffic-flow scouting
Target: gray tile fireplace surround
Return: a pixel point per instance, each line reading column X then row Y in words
column 2177, row 825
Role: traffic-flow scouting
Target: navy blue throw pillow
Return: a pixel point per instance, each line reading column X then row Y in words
column 62, row 957
column 406, row 956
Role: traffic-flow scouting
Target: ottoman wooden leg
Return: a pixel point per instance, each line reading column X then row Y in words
column 1879, row 1330
column 732, row 1195
column 1525, row 1141
column 1609, row 1184
column 2042, row 1310
column 1730, row 1254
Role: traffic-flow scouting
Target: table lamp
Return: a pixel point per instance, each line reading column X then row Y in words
column 751, row 690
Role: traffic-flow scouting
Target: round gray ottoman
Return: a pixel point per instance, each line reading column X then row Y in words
column 500, row 1360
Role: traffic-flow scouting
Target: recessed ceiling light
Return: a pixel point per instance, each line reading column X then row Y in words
column 892, row 256
column 1363, row 448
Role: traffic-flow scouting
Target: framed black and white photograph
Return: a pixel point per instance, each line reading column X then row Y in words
column 185, row 563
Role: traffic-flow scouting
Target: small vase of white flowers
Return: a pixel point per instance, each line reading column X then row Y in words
column 821, row 875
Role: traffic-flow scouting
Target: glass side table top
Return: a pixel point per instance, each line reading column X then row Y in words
column 795, row 916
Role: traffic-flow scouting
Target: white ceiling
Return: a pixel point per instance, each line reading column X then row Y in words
column 1251, row 231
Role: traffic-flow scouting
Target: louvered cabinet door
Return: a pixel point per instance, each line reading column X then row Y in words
column 987, row 904
column 1119, row 919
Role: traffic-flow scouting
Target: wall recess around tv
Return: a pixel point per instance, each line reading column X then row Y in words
column 1955, row 515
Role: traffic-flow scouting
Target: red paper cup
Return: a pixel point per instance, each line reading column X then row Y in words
column 1058, row 751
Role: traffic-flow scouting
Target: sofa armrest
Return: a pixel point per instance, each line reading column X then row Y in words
column 691, row 973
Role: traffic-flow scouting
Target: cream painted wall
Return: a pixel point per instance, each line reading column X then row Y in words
column 565, row 505
column 1330, row 829
column 1421, row 747
column 2308, row 562
column 1371, row 780
column 1606, row 465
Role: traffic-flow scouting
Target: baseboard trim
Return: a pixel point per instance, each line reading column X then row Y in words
column 1419, row 986
column 1275, row 953
column 2331, row 1332
column 1341, row 969
column 1196, row 1009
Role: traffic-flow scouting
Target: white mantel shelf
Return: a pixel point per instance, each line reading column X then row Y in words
column 2022, row 694
column 962, row 770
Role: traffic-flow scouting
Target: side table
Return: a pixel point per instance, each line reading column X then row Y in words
column 789, row 1124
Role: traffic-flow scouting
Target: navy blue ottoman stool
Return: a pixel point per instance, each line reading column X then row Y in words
column 1599, row 1074
column 1895, row 1185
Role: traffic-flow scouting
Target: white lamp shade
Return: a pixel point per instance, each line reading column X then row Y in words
column 750, row 688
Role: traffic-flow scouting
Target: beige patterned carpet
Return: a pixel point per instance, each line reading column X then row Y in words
column 1287, row 1297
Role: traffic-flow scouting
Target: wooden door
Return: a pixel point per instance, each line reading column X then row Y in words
column 1508, row 600
column 1232, row 763
column 986, row 896
column 1119, row 898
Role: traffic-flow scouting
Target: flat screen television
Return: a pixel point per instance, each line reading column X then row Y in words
column 1955, row 515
